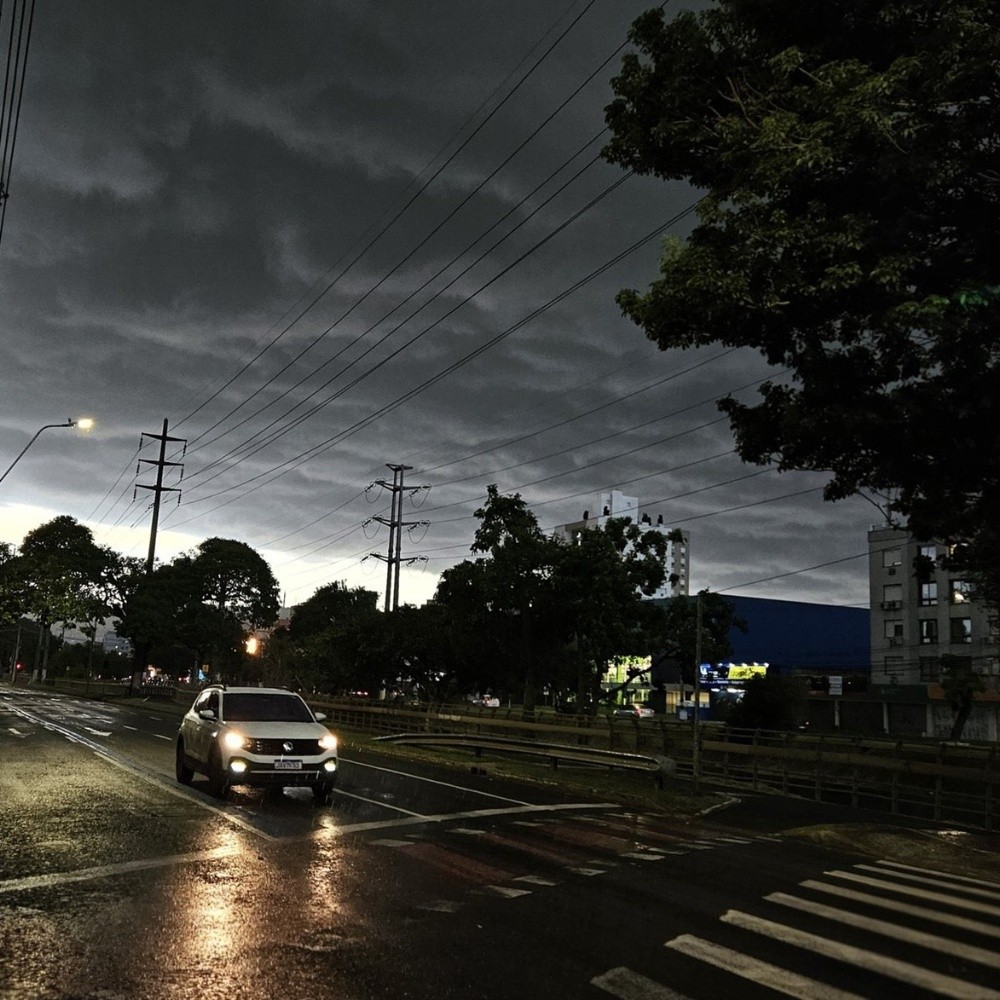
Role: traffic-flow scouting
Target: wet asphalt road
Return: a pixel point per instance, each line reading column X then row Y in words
column 115, row 882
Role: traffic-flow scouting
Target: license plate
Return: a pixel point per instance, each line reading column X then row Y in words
column 288, row 765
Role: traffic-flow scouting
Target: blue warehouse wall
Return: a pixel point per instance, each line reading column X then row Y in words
column 793, row 634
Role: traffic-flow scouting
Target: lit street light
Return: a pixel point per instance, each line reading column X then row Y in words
column 84, row 423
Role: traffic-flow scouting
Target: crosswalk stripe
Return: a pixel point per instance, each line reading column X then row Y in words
column 947, row 875
column 585, row 871
column 897, row 906
column 628, row 985
column 696, row 845
column 509, row 892
column 906, row 890
column 924, row 880
column 869, row 960
column 441, row 906
column 782, row 980
column 642, row 856
column 921, row 938
column 535, row 880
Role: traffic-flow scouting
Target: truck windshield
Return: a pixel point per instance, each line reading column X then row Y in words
column 265, row 708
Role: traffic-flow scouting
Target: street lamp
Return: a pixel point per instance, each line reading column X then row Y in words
column 84, row 423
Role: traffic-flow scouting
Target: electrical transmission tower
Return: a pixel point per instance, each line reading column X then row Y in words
column 161, row 463
column 394, row 558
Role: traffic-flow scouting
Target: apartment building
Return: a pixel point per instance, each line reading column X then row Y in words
column 677, row 561
column 922, row 611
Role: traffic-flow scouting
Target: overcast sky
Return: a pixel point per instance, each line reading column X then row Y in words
column 273, row 223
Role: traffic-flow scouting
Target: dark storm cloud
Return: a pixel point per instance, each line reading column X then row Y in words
column 190, row 177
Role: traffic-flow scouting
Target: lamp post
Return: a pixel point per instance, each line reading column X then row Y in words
column 84, row 423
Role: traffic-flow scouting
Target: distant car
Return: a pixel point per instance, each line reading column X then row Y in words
column 633, row 712
column 256, row 736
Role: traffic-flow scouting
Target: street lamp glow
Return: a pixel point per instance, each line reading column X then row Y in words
column 84, row 423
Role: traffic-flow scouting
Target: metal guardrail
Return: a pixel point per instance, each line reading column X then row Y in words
column 658, row 766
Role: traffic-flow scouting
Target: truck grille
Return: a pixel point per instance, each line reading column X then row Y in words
column 275, row 748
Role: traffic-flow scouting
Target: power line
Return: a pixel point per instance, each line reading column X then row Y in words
column 15, row 73
column 415, row 196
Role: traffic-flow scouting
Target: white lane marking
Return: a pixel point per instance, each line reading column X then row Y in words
column 507, row 892
column 96, row 732
column 720, row 805
column 920, row 938
column 169, row 739
column 381, row 805
column 468, row 831
column 389, row 842
column 696, row 845
column 923, row 912
column 862, row 958
column 389, row 824
column 441, row 906
column 731, row 840
column 642, row 856
column 628, row 985
column 133, row 728
column 10, row 729
column 665, row 850
column 156, row 718
column 535, row 880
column 104, row 871
column 434, row 781
column 772, row 976
column 181, row 793
column 905, row 890
column 540, row 822
column 944, row 875
column 585, row 871
column 924, row 880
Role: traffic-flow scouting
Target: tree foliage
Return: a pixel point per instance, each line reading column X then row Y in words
column 537, row 611
column 848, row 232
column 960, row 684
column 205, row 601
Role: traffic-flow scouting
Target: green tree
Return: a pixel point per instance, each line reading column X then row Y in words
column 681, row 630
column 61, row 570
column 960, row 683
column 598, row 580
column 337, row 636
column 237, row 580
column 847, row 232
column 205, row 601
column 533, row 607
column 770, row 702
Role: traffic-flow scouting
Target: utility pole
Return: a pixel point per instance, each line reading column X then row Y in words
column 695, row 749
column 161, row 463
column 394, row 558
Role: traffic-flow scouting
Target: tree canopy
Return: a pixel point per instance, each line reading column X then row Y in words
column 848, row 231
column 537, row 611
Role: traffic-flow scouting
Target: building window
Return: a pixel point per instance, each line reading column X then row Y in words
column 928, row 594
column 894, row 629
column 930, row 669
column 961, row 630
column 928, row 631
column 892, row 596
column 893, row 668
column 959, row 591
column 892, row 557
column 928, row 551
